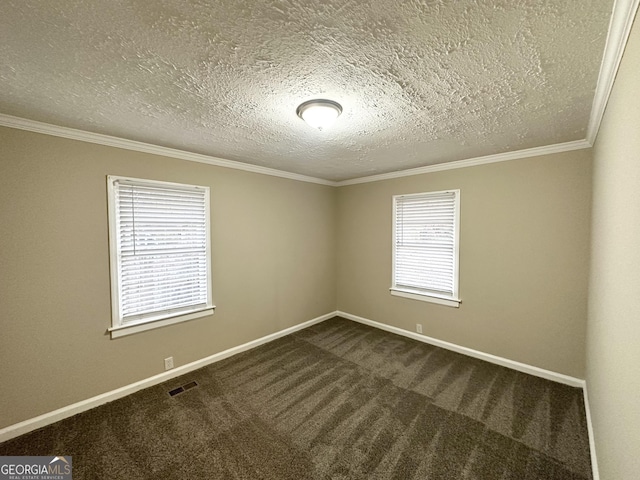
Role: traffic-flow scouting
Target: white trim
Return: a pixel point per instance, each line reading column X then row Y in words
column 622, row 17
column 425, row 297
column 114, row 283
column 504, row 362
column 40, row 421
column 141, row 323
column 123, row 330
column 100, row 139
column 620, row 25
column 43, row 420
column 451, row 301
column 472, row 162
column 592, row 440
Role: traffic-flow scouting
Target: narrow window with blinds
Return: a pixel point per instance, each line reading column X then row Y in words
column 160, row 253
column 425, row 246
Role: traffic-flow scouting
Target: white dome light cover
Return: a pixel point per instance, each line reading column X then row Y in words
column 320, row 113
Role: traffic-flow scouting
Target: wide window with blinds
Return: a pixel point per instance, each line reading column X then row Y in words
column 425, row 246
column 160, row 253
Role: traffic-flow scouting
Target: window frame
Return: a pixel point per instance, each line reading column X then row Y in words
column 118, row 327
column 452, row 300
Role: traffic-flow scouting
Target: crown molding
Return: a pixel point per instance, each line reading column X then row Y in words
column 100, row 139
column 624, row 11
column 622, row 17
column 472, row 162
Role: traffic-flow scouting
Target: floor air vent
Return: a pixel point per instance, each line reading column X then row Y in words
column 183, row 388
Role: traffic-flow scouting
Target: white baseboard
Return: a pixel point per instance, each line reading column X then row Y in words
column 592, row 439
column 40, row 421
column 505, row 362
column 26, row 426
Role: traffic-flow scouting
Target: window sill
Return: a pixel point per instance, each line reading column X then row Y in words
column 143, row 325
column 426, row 297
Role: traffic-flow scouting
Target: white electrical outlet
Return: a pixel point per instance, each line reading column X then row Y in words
column 419, row 327
column 168, row 363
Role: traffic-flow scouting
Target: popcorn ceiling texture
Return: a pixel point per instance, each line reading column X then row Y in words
column 421, row 81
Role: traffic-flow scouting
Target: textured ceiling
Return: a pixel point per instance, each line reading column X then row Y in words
column 421, row 81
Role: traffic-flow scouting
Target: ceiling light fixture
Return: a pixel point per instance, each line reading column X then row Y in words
column 320, row 113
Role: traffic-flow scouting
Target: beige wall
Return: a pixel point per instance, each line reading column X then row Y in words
column 523, row 254
column 273, row 245
column 613, row 345
column 276, row 244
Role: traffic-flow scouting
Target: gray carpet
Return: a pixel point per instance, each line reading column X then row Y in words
column 338, row 400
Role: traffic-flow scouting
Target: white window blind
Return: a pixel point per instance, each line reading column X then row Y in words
column 160, row 232
column 426, row 244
